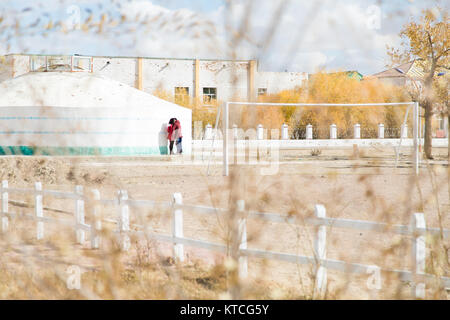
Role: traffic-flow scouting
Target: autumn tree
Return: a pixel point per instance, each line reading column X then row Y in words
column 427, row 42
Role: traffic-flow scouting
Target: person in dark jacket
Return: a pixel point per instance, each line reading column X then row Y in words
column 170, row 135
column 178, row 137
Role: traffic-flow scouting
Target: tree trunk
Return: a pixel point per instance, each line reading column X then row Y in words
column 428, row 131
column 448, row 136
column 448, row 156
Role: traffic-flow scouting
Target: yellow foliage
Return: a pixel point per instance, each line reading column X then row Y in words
column 336, row 88
column 207, row 115
column 322, row 88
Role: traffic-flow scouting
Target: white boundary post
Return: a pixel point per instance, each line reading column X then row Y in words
column 79, row 215
column 226, row 118
column 309, row 132
column 333, row 131
column 235, row 131
column 96, row 225
column 177, row 227
column 320, row 251
column 124, row 220
column 208, row 132
column 242, row 234
column 418, row 254
column 39, row 210
column 380, row 131
column 404, row 131
column 260, row 132
column 5, row 220
column 284, row 132
column 357, row 131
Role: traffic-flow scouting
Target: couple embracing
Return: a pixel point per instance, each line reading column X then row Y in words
column 174, row 135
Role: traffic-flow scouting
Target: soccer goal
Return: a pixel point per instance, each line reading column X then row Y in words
column 318, row 137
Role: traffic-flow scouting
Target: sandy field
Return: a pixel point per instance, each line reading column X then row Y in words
column 367, row 187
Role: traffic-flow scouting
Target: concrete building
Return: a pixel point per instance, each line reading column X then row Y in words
column 204, row 80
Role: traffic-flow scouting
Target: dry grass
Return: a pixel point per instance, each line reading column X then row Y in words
column 33, row 269
column 366, row 190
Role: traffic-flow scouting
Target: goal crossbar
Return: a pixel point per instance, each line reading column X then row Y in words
column 225, row 122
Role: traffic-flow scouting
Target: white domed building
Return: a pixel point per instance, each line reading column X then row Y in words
column 78, row 113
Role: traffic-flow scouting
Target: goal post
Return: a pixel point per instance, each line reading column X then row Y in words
column 226, row 128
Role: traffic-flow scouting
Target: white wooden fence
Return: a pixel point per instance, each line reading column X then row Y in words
column 417, row 230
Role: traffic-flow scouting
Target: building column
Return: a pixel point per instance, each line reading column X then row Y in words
column 139, row 74
column 197, row 95
column 252, row 69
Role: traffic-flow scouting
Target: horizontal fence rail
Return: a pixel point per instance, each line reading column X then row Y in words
column 417, row 231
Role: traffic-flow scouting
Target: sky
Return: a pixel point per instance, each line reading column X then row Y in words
column 284, row 35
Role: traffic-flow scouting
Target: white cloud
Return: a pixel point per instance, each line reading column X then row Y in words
column 308, row 35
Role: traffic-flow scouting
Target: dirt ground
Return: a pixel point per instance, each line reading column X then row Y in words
column 367, row 187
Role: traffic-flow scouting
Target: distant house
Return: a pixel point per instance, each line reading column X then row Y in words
column 351, row 74
column 354, row 75
column 401, row 75
column 410, row 75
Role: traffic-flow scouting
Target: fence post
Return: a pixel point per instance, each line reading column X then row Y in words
column 96, row 225
column 320, row 251
column 381, row 131
column 39, row 210
column 177, row 227
column 418, row 254
column 260, row 132
column 242, row 234
column 309, row 132
column 404, row 131
column 124, row 220
column 284, row 132
column 208, row 132
column 79, row 215
column 333, row 131
column 357, row 131
column 5, row 220
column 235, row 131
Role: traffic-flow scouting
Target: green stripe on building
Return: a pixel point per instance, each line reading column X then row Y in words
column 82, row 151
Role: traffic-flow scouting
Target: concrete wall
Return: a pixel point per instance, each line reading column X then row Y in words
column 6, row 68
column 119, row 69
column 167, row 74
column 233, row 79
column 21, row 65
column 278, row 81
column 230, row 78
column 12, row 66
column 85, row 131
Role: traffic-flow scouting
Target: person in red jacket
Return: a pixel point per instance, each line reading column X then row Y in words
column 170, row 135
column 178, row 137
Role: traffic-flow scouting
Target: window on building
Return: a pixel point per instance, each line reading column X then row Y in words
column 262, row 91
column 209, row 95
column 181, row 95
